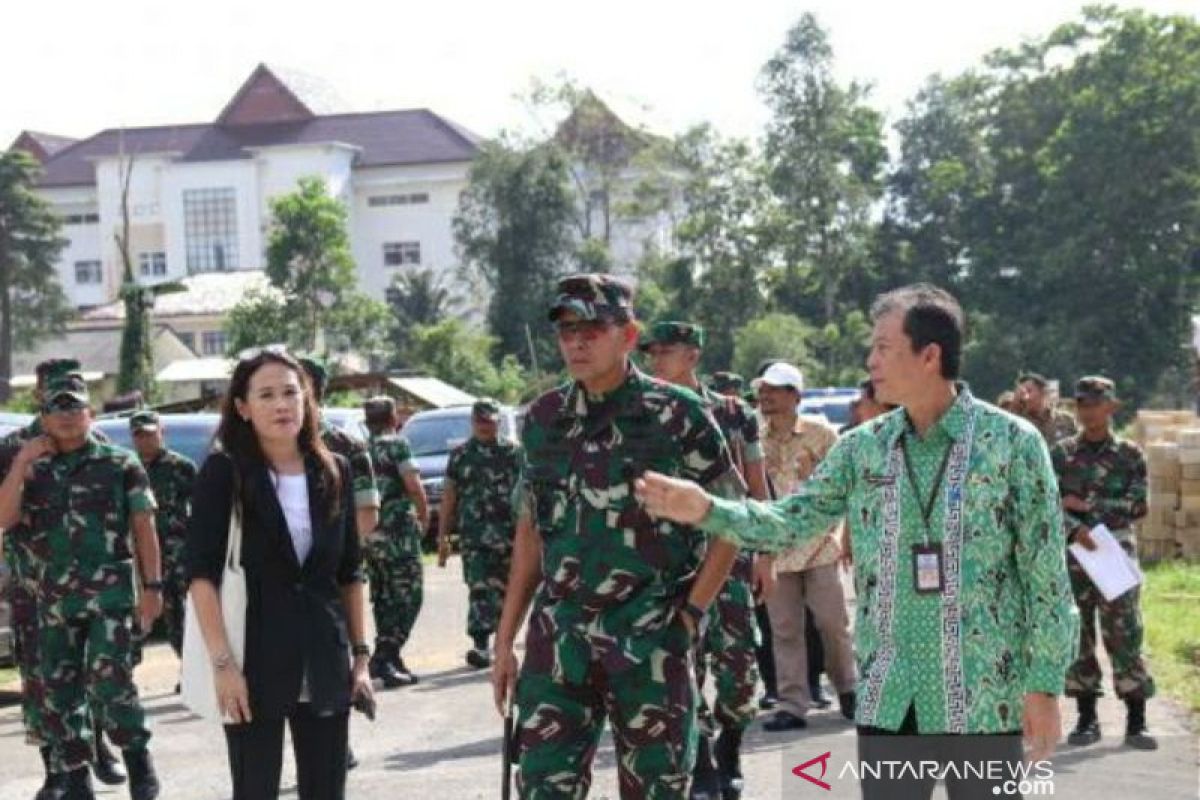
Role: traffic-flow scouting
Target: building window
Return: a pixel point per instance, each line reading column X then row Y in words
column 210, row 230
column 189, row 339
column 152, row 265
column 212, row 343
column 398, row 254
column 415, row 198
column 88, row 272
column 81, row 219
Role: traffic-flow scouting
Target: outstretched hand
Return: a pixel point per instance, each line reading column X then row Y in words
column 671, row 498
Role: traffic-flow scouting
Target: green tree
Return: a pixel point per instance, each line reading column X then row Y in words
column 514, row 233
column 825, row 153
column 784, row 337
column 415, row 297
column 30, row 244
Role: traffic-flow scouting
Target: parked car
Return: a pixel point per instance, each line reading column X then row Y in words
column 432, row 435
column 11, row 420
column 188, row 434
column 350, row 420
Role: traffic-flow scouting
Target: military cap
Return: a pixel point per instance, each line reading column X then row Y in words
column 486, row 408
column 381, row 404
column 593, row 296
column 144, row 420
column 673, row 333
column 1095, row 387
column 723, row 382
column 318, row 373
column 66, row 391
column 53, row 367
column 1036, row 378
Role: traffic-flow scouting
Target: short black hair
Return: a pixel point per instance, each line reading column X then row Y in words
column 44, row 368
column 1036, row 378
column 867, row 388
column 931, row 316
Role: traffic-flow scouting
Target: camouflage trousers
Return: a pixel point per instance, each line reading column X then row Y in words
column 397, row 580
column 175, row 589
column 485, row 570
column 87, row 660
column 727, row 651
column 23, row 603
column 1122, row 630
column 651, row 706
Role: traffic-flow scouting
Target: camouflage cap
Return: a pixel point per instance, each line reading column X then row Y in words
column 144, row 420
column 380, row 404
column 673, row 333
column 727, row 382
column 486, row 408
column 1095, row 387
column 66, row 391
column 593, row 296
column 318, row 373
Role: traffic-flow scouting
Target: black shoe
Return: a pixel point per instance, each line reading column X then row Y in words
column 73, row 785
column 1136, row 734
column 404, row 671
column 819, row 700
column 106, row 767
column 848, row 702
column 784, row 721
column 768, row 702
column 351, row 759
column 728, row 754
column 479, row 659
column 382, row 669
column 1087, row 729
column 705, row 784
column 178, row 688
column 143, row 780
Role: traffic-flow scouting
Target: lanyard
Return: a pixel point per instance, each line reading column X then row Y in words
column 926, row 505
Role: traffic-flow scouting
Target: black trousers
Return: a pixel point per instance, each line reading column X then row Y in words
column 765, row 653
column 319, row 744
column 877, row 746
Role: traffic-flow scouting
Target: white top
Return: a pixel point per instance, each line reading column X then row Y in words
column 292, row 491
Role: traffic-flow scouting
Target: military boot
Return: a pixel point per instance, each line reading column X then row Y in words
column 705, row 783
column 728, row 753
column 73, row 785
column 106, row 767
column 1136, row 734
column 143, row 780
column 1087, row 729
column 381, row 667
column 50, row 786
column 405, row 672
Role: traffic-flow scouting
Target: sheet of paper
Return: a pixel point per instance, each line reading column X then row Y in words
column 1113, row 572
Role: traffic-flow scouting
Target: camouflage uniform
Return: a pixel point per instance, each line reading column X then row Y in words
column 484, row 476
column 79, row 505
column 172, row 477
column 1111, row 476
column 727, row 383
column 366, row 491
column 394, row 551
column 1055, row 425
column 605, row 636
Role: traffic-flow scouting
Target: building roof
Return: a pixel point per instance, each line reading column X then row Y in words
column 196, row 370
column 41, row 145
column 270, row 111
column 205, row 294
column 432, row 391
column 98, row 350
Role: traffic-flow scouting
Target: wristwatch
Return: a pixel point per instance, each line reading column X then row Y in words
column 222, row 660
column 361, row 649
column 699, row 616
column 152, row 586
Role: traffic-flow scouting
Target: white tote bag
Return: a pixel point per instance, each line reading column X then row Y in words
column 197, row 682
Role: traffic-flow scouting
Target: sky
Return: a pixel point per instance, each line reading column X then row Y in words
column 78, row 66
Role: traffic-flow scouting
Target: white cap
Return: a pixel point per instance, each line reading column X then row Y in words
column 781, row 374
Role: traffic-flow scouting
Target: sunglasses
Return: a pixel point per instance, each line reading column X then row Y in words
column 587, row 329
column 251, row 353
column 64, row 407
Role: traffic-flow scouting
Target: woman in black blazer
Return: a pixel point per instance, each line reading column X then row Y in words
column 300, row 551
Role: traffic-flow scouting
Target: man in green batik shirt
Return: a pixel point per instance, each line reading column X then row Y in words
column 965, row 619
column 1102, row 479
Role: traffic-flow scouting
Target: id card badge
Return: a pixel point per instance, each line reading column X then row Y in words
column 927, row 568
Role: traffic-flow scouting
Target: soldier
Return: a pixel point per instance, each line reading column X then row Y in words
column 1102, row 479
column 91, row 514
column 394, row 551
column 22, row 587
column 1032, row 401
column 620, row 597
column 729, row 384
column 172, row 477
column 477, row 502
column 732, row 633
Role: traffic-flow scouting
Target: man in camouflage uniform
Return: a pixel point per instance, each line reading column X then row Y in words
column 729, row 384
column 1102, row 479
column 732, row 633
column 22, row 596
column 172, row 476
column 394, row 550
column 620, row 597
column 477, row 503
column 1032, row 401
column 91, row 516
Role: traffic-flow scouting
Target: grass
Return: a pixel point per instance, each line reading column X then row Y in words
column 7, row 675
column 1169, row 605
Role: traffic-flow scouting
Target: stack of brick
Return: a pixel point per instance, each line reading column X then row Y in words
column 1156, row 533
column 1187, row 519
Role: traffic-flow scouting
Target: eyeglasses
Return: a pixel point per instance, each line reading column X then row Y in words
column 63, row 409
column 254, row 352
column 587, row 329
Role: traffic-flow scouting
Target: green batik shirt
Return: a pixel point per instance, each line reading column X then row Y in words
column 612, row 577
column 79, row 506
column 362, row 472
column 392, row 459
column 172, row 478
column 1110, row 475
column 484, row 476
column 1004, row 623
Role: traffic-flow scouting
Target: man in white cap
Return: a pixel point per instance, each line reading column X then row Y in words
column 808, row 574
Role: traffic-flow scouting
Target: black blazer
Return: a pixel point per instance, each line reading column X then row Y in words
column 294, row 617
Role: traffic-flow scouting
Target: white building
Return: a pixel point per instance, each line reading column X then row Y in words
column 199, row 193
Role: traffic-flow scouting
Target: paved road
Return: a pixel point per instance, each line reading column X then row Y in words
column 441, row 739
